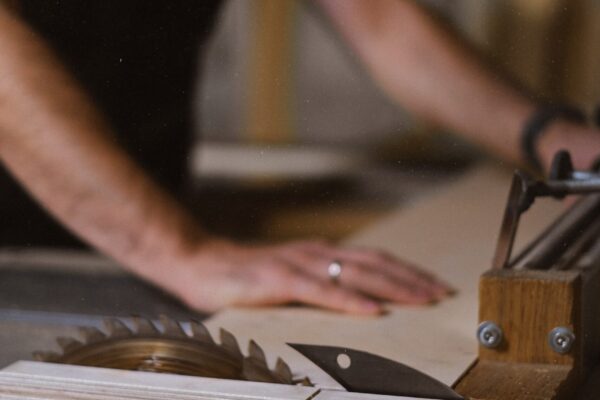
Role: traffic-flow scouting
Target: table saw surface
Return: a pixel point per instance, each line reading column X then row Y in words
column 452, row 233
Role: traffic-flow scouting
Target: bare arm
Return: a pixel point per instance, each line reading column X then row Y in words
column 425, row 69
column 57, row 145
column 54, row 141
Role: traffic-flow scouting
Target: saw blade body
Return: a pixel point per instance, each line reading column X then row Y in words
column 170, row 350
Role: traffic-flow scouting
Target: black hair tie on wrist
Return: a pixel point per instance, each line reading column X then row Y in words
column 536, row 125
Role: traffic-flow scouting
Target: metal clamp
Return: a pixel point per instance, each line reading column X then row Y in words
column 563, row 180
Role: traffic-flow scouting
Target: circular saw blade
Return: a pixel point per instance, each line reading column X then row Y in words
column 170, row 350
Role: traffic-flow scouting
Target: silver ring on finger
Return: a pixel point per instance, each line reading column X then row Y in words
column 334, row 271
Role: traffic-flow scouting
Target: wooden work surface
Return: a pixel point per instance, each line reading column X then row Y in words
column 453, row 233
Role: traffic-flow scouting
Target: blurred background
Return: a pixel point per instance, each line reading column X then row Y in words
column 297, row 141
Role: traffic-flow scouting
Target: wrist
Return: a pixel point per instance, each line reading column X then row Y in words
column 552, row 141
column 177, row 267
column 581, row 141
column 164, row 246
column 544, row 130
column 195, row 275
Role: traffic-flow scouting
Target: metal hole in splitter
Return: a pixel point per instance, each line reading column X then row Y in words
column 344, row 361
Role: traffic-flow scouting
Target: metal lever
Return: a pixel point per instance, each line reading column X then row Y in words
column 563, row 181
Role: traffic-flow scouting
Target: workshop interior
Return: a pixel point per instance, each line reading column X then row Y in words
column 294, row 140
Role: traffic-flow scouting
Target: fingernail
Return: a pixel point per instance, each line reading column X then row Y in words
column 444, row 295
column 447, row 289
column 372, row 307
column 442, row 287
column 426, row 301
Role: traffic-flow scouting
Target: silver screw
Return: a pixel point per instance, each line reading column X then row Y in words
column 489, row 334
column 561, row 339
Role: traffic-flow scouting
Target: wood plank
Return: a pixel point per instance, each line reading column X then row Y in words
column 452, row 233
column 56, row 381
column 32, row 380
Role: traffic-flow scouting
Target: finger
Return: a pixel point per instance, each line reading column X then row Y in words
column 404, row 270
column 376, row 283
column 384, row 286
column 321, row 294
column 279, row 283
column 380, row 261
column 400, row 270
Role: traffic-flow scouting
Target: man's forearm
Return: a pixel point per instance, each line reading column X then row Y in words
column 426, row 70
column 58, row 146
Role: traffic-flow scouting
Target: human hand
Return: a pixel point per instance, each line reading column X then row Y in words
column 582, row 142
column 222, row 273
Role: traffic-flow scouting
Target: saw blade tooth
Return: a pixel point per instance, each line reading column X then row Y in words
column 283, row 371
column 68, row 344
column 47, row 356
column 144, row 326
column 200, row 332
column 256, row 372
column 257, row 353
column 172, row 327
column 116, row 328
column 91, row 334
column 303, row 382
column 229, row 343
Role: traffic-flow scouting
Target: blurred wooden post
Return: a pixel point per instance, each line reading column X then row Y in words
column 269, row 116
column 583, row 78
column 550, row 46
column 522, row 41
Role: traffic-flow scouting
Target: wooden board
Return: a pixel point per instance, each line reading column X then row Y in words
column 452, row 232
column 34, row 380
column 26, row 380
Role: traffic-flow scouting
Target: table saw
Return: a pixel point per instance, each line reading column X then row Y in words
column 521, row 326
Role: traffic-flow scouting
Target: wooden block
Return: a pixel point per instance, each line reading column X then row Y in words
column 527, row 305
column 590, row 319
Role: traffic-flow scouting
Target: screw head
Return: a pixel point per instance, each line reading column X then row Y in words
column 561, row 339
column 489, row 334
